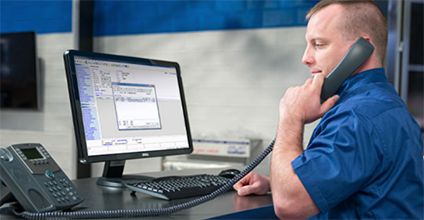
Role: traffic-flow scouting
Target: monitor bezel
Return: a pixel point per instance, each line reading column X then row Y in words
column 69, row 58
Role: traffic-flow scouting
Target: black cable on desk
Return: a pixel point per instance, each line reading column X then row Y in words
column 149, row 212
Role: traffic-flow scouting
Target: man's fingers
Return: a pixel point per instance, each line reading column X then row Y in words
column 328, row 104
column 308, row 81
column 244, row 191
column 242, row 182
column 237, row 186
column 318, row 80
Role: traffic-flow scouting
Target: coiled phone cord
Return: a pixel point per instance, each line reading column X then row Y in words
column 148, row 212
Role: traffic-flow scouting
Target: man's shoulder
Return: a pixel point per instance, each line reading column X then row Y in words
column 371, row 100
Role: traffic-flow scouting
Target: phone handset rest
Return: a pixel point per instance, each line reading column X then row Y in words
column 360, row 51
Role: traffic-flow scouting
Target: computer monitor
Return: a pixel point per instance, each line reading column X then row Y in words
column 125, row 108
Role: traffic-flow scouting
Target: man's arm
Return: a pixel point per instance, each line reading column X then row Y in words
column 300, row 105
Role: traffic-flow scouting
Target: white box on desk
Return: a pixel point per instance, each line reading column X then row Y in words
column 222, row 148
column 214, row 153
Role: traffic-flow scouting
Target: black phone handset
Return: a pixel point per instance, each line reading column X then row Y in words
column 360, row 51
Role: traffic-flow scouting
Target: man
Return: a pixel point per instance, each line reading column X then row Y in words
column 364, row 159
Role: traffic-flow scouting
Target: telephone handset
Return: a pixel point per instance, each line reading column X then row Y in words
column 30, row 175
column 360, row 51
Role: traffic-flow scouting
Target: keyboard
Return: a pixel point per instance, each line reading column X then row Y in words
column 179, row 187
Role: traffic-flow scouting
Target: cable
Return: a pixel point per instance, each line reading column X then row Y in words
column 149, row 212
column 6, row 210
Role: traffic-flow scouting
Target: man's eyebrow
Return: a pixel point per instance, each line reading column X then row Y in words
column 317, row 38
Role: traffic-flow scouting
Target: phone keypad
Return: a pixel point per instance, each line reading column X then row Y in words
column 62, row 191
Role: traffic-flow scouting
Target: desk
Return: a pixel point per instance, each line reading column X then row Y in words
column 106, row 198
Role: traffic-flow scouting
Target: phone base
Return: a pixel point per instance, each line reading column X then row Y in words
column 5, row 196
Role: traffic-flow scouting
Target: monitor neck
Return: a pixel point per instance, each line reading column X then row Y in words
column 113, row 175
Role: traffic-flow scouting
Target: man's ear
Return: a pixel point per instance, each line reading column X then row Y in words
column 367, row 38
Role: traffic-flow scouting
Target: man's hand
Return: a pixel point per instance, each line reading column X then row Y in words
column 252, row 183
column 302, row 103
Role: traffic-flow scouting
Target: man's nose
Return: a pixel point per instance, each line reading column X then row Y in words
column 307, row 58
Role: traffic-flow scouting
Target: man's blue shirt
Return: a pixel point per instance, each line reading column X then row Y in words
column 365, row 157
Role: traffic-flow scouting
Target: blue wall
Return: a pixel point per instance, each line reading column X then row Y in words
column 155, row 16
column 144, row 17
column 149, row 16
column 36, row 15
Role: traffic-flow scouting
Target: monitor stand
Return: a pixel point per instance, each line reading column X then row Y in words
column 113, row 175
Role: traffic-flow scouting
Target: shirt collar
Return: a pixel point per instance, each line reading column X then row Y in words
column 361, row 79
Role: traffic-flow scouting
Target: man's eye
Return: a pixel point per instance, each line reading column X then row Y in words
column 318, row 45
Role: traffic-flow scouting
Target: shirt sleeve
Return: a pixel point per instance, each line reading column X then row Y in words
column 341, row 158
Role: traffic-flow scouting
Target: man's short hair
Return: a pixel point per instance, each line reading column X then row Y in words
column 360, row 17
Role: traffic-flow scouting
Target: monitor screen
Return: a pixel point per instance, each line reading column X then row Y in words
column 19, row 81
column 126, row 107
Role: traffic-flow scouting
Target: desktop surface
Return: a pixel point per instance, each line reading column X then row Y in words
column 99, row 198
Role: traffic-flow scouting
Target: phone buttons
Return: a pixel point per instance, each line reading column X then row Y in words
column 49, row 174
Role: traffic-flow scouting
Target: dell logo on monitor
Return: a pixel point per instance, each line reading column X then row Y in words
column 145, row 154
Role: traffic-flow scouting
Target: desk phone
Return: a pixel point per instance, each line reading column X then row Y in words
column 30, row 175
